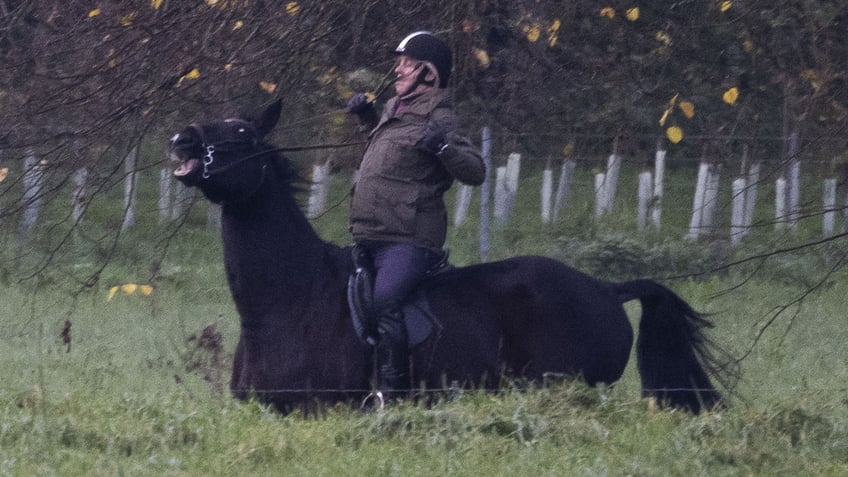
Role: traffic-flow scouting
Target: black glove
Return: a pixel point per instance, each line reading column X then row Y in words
column 363, row 108
column 433, row 140
column 359, row 104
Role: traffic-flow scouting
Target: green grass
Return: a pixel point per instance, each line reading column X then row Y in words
column 136, row 395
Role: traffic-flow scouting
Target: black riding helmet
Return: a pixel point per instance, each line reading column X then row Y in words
column 424, row 46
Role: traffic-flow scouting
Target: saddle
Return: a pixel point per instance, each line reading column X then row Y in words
column 420, row 321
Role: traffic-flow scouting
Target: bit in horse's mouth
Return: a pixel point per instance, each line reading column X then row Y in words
column 186, row 167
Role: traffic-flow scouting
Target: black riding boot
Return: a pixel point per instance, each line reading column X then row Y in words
column 392, row 354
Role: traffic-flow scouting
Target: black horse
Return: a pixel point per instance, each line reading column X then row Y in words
column 521, row 318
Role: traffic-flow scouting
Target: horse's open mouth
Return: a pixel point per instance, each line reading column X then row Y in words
column 187, row 167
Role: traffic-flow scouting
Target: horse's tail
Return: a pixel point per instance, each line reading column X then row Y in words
column 676, row 359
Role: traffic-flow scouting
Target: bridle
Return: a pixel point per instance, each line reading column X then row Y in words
column 211, row 148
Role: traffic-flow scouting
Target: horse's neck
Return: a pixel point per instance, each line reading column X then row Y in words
column 268, row 242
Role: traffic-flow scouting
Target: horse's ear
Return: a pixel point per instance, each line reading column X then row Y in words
column 268, row 119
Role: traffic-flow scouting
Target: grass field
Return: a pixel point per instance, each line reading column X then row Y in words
column 140, row 392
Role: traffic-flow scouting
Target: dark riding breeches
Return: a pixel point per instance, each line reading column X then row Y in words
column 398, row 269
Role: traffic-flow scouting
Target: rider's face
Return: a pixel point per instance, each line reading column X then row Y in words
column 407, row 70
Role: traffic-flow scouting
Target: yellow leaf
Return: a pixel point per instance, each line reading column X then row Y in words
column 665, row 116
column 129, row 288
column 533, row 33
column 568, row 150
column 663, row 37
column 145, row 290
column 688, row 109
column 674, row 134
column 228, row 67
column 632, row 14
column 3, row 173
column 748, row 45
column 673, row 100
column 268, row 87
column 193, row 74
column 292, row 8
column 112, row 292
column 237, row 25
column 156, row 4
column 725, row 6
column 127, row 20
column 731, row 95
column 608, row 12
column 552, row 32
column 94, row 13
column 482, row 57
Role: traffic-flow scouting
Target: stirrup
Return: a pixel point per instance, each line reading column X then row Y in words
column 374, row 395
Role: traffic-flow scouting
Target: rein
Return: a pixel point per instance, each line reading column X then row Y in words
column 209, row 158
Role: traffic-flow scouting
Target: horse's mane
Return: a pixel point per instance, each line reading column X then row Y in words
column 290, row 178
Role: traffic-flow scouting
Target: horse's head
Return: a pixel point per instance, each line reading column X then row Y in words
column 225, row 159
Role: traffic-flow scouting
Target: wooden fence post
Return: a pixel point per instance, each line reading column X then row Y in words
column 845, row 214
column 566, row 178
column 506, row 188
column 646, row 194
column 711, row 197
column 501, row 193
column 705, row 200
column 486, row 152
column 607, row 182
column 600, row 195
column 130, row 189
column 659, row 177
column 737, row 220
column 794, row 181
column 318, row 190
column 547, row 191
column 752, row 181
column 611, row 180
column 79, row 199
column 780, row 203
column 464, row 192
column 829, row 204
column 183, row 197
column 31, row 198
column 166, row 195
column 698, row 202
